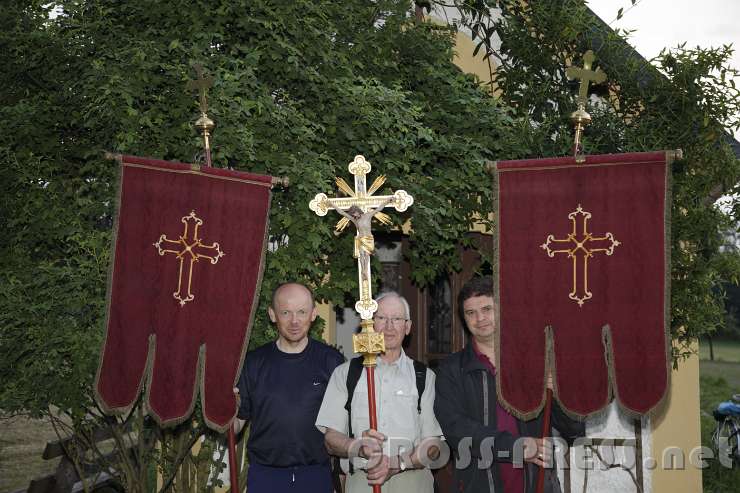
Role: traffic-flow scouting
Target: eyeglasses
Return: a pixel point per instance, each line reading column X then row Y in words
column 395, row 321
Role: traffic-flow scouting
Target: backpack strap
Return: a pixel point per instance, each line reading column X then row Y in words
column 354, row 372
column 420, row 369
column 353, row 376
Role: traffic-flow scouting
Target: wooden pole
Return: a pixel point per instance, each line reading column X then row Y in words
column 545, row 434
column 233, row 463
column 370, row 373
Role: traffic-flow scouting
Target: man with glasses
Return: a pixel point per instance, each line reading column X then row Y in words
column 396, row 452
column 281, row 388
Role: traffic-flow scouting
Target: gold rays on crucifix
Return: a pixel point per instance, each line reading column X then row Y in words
column 344, row 187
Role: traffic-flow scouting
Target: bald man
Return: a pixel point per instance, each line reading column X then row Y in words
column 281, row 388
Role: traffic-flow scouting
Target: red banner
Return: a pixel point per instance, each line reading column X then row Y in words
column 187, row 266
column 582, row 275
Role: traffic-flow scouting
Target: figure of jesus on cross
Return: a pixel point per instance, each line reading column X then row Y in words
column 360, row 207
column 364, row 241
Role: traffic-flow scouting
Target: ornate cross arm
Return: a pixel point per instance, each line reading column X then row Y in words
column 322, row 204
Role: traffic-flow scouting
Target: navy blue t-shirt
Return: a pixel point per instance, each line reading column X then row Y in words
column 281, row 394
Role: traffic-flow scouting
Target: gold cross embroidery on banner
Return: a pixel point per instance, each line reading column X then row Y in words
column 581, row 245
column 188, row 248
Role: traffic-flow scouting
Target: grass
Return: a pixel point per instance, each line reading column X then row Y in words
column 729, row 372
column 719, row 379
column 22, row 441
column 724, row 350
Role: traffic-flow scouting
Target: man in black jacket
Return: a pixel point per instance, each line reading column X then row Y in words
column 487, row 441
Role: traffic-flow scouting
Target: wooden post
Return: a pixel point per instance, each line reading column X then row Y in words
column 233, row 462
column 545, row 434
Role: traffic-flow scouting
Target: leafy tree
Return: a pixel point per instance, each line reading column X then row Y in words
column 684, row 98
column 301, row 87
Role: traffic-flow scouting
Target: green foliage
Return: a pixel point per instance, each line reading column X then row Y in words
column 685, row 98
column 300, row 88
column 144, row 457
column 716, row 478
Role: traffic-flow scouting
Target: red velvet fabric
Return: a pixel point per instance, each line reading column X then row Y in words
column 622, row 328
column 155, row 196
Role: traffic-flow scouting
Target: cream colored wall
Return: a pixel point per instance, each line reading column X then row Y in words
column 678, row 425
column 464, row 59
column 330, row 329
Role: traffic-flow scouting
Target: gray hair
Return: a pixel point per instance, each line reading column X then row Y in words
column 406, row 308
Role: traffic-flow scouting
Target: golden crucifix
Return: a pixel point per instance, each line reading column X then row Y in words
column 580, row 117
column 359, row 207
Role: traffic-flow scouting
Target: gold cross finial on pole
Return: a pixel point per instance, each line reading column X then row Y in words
column 580, row 117
column 204, row 124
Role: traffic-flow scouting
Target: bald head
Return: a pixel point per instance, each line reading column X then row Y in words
column 291, row 289
column 292, row 311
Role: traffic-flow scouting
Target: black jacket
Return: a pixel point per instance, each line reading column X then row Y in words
column 459, row 407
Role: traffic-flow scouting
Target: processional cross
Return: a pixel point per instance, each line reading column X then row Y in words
column 360, row 207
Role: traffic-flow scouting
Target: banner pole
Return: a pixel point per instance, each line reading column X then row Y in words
column 545, row 434
column 233, row 463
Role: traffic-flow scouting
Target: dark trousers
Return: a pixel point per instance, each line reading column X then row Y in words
column 297, row 479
